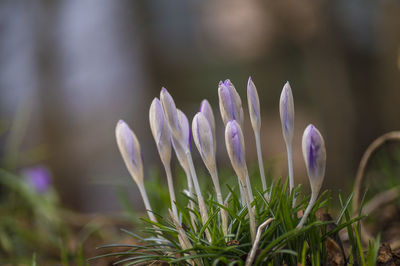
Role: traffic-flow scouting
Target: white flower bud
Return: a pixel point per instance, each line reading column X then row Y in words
column 206, row 109
column 203, row 138
column 254, row 105
column 314, row 154
column 286, row 110
column 129, row 147
column 160, row 130
column 236, row 149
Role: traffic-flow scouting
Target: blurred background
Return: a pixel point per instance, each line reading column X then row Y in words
column 69, row 70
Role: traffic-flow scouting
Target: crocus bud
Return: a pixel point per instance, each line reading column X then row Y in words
column 254, row 105
column 314, row 154
column 207, row 111
column 254, row 111
column 203, row 138
column 129, row 147
column 237, row 101
column 182, row 144
column 235, row 146
column 160, row 130
column 286, row 110
column 186, row 136
column 236, row 150
column 230, row 103
column 170, row 112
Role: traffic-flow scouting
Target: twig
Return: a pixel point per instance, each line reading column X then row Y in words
column 394, row 135
column 252, row 254
column 381, row 199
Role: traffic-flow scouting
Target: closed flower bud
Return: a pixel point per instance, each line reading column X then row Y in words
column 207, row 111
column 236, row 150
column 203, row 138
column 185, row 129
column 254, row 105
column 230, row 103
column 182, row 144
column 235, row 146
column 170, row 112
column 314, row 154
column 129, row 147
column 160, row 130
column 255, row 117
column 286, row 110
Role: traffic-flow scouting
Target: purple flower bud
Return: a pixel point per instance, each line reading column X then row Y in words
column 314, row 154
column 129, row 147
column 38, row 177
column 170, row 112
column 160, row 130
column 230, row 103
column 203, row 138
column 286, row 110
column 254, row 105
column 185, row 134
column 207, row 111
column 236, row 150
column 183, row 143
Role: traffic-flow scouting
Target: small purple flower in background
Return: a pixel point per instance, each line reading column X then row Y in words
column 38, row 177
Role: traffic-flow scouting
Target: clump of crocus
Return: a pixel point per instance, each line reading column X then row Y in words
column 236, row 151
column 255, row 118
column 129, row 148
column 314, row 154
column 286, row 110
column 226, row 238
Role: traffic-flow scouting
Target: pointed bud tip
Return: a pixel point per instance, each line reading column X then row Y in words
column 155, row 99
column 203, row 104
column 228, row 82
